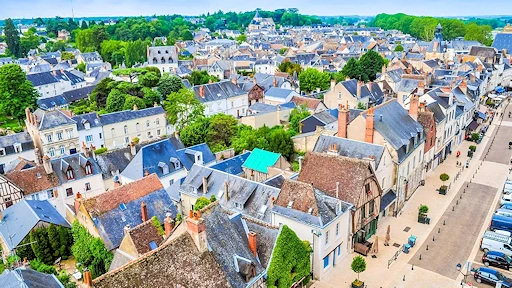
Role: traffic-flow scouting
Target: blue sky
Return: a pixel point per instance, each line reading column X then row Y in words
column 86, row 8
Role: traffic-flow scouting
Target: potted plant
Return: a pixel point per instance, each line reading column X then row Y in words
column 358, row 265
column 422, row 214
column 444, row 177
column 475, row 136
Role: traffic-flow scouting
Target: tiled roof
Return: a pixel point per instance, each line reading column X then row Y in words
column 33, row 180
column 323, row 171
column 260, row 160
column 350, row 148
column 52, row 118
column 144, row 234
column 232, row 165
column 310, row 103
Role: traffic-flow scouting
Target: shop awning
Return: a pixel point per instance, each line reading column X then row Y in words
column 481, row 115
column 473, row 125
column 499, row 89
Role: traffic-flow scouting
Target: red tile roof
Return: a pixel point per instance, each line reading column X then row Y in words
column 29, row 181
column 143, row 234
column 302, row 196
column 310, row 103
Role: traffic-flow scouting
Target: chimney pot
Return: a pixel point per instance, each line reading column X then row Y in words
column 342, row 121
column 370, row 118
column 205, row 185
column 413, row 107
column 252, row 239
column 144, row 211
column 168, row 225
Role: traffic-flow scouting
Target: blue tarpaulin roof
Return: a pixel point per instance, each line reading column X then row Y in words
column 499, row 89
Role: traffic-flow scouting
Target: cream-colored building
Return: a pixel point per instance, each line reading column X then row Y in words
column 121, row 128
column 54, row 133
column 270, row 119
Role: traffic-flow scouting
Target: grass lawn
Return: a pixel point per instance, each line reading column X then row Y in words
column 8, row 123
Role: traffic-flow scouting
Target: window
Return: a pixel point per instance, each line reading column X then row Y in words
column 17, row 148
column 157, row 121
column 125, row 129
column 35, row 196
column 158, row 132
column 137, row 127
column 339, row 95
column 126, row 140
column 326, row 261
column 70, row 133
column 339, row 250
column 88, row 169
column 87, row 186
column 69, row 174
column 88, row 138
column 326, row 238
column 147, row 123
column 8, row 202
column 101, row 136
column 87, row 126
column 50, row 193
column 232, row 104
column 62, row 149
column 49, row 138
column 59, row 135
column 2, row 151
column 113, row 132
column 371, row 206
column 52, row 152
column 171, row 181
column 337, row 229
column 69, row 192
column 414, row 163
column 149, row 134
column 367, row 187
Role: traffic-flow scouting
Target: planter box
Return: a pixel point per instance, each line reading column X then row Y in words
column 470, row 153
column 442, row 190
column 357, row 284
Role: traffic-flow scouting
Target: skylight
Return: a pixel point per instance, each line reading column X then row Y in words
column 152, row 245
column 122, row 206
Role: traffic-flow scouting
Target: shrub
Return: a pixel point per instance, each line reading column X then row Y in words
column 201, row 202
column 423, row 209
column 179, row 217
column 100, row 150
column 444, row 177
column 213, row 199
column 41, row 267
column 136, row 140
column 158, row 225
column 472, row 148
column 475, row 136
column 358, row 265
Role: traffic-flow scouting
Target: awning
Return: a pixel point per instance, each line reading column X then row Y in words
column 481, row 115
column 499, row 89
column 387, row 200
column 473, row 125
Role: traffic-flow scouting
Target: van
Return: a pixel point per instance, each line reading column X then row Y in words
column 492, row 241
column 504, row 212
column 507, row 188
column 499, row 222
column 506, row 199
column 507, row 206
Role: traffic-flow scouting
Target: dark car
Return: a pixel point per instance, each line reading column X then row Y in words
column 491, row 276
column 497, row 259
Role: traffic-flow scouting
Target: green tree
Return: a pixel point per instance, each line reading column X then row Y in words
column 481, row 34
column 67, row 56
column 240, row 39
column 85, row 40
column 201, row 77
column 358, row 265
column 221, row 129
column 182, row 108
column 196, row 132
column 113, row 51
column 89, row 250
column 297, row 115
column 186, row 35
column 101, row 91
column 115, row 101
column 136, row 52
column 16, row 92
column 281, row 142
column 289, row 67
column 24, row 249
column 29, row 41
column 65, row 240
column 201, row 202
column 84, row 25
column 81, row 67
column 354, row 70
column 12, row 38
column 311, row 79
column 399, row 48
column 169, row 83
column 54, row 239
column 41, row 245
column 290, row 260
column 149, row 79
column 130, row 101
column 151, row 97
column 371, row 63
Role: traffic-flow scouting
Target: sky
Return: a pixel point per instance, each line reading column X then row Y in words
column 89, row 8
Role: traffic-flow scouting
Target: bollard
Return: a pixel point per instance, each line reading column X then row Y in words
column 412, row 268
column 433, row 238
column 453, row 208
column 427, row 247
column 438, row 230
column 444, row 223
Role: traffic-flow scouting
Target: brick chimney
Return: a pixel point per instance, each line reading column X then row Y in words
column 197, row 229
column 253, row 243
column 358, row 91
column 92, row 150
column 234, row 80
column 144, row 211
column 370, row 118
column 87, row 278
column 47, row 165
column 168, row 224
column 464, row 86
column 78, row 199
column 85, row 150
column 423, row 106
column 205, row 185
column 201, row 91
column 342, row 121
column 421, row 88
column 413, row 107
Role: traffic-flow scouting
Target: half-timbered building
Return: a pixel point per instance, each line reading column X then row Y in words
column 10, row 193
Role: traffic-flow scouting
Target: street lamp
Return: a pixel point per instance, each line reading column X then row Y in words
column 459, row 268
column 317, row 234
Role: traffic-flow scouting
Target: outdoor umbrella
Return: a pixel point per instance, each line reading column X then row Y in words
column 388, row 237
column 375, row 246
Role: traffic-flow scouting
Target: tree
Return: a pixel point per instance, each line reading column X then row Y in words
column 113, row 51
column 54, row 238
column 290, row 260
column 297, row 115
column 311, row 79
column 67, row 56
column 41, row 245
column 481, row 34
column 84, row 25
column 182, row 108
column 101, row 91
column 149, row 79
column 89, row 250
column 29, row 41
column 281, row 142
column 24, row 249
column 85, row 40
column 115, row 101
column 169, row 83
column 240, row 39
column 151, row 97
column 65, row 240
column 201, row 77
column 371, row 63
column 196, row 132
column 201, row 202
column 358, row 265
column 12, row 38
column 220, row 131
column 130, row 101
column 353, row 70
column 136, row 52
column 361, row 106
column 187, row 35
column 290, row 67
column 16, row 92
column 399, row 48
column 81, row 67
column 444, row 177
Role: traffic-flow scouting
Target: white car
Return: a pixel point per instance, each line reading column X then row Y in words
column 506, row 199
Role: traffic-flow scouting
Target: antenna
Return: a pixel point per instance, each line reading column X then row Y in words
column 72, row 11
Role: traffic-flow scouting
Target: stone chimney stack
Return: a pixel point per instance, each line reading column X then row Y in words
column 333, row 84
column 47, row 165
column 413, row 107
column 133, row 149
column 205, row 185
column 168, row 224
column 201, row 91
column 253, row 244
column 78, row 199
column 342, row 121
column 197, row 229
column 358, row 91
column 144, row 211
column 370, row 119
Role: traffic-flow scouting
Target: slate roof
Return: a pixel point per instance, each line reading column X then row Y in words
column 45, row 78
column 28, row 278
column 232, row 165
column 302, row 202
column 350, row 148
column 176, row 263
column 324, row 170
column 276, row 181
column 121, row 116
column 51, row 119
column 78, row 94
column 260, row 160
column 503, row 41
column 110, row 219
column 483, row 52
column 387, row 199
column 21, row 217
column 17, row 138
column 218, row 91
column 77, row 163
column 51, row 102
column 279, row 92
column 92, row 118
column 186, row 155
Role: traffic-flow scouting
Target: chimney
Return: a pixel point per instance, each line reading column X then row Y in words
column 423, row 106
column 342, row 121
column 92, row 151
column 300, row 162
column 383, row 69
column 197, row 229
column 226, row 191
column 28, row 116
column 155, row 104
column 85, row 150
column 272, row 200
column 254, row 80
column 347, row 78
column 413, row 107
column 358, row 92
column 253, row 243
column 205, row 185
column 47, row 165
column 168, row 224
column 234, row 80
column 368, row 137
column 464, row 86
column 39, row 159
column 144, row 211
column 333, row 83
column 274, row 82
column 146, row 173
column 201, row 91
column 337, row 190
column 126, row 229
column 133, row 149
column 87, row 278
column 135, row 107
column 421, row 88
column 78, row 199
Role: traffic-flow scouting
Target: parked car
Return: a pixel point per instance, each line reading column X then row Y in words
column 506, row 199
column 507, row 188
column 499, row 222
column 507, row 206
column 495, row 241
column 504, row 212
column 497, row 259
column 491, row 276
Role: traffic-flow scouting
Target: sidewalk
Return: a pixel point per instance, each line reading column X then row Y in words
column 377, row 274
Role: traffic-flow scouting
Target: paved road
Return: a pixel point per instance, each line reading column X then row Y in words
column 456, row 239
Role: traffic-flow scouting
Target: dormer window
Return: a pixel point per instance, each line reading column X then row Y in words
column 70, row 174
column 88, row 168
column 164, row 167
column 87, row 125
